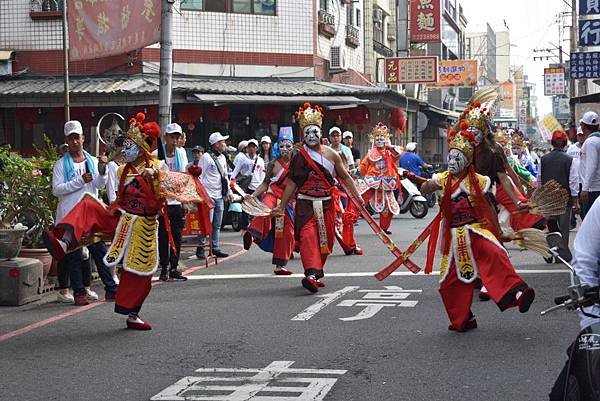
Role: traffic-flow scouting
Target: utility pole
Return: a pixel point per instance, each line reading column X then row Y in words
column 166, row 65
column 573, row 37
column 66, row 63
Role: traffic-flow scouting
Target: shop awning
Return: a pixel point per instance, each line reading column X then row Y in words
column 222, row 99
column 5, row 55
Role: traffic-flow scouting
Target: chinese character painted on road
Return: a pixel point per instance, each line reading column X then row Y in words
column 148, row 12
column 376, row 300
column 425, row 22
column 590, row 33
column 425, row 4
column 276, row 382
column 103, row 25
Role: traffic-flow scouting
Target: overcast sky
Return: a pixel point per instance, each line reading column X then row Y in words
column 532, row 24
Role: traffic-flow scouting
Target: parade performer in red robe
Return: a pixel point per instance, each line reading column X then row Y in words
column 132, row 219
column 312, row 173
column 379, row 170
column 275, row 234
column 469, row 239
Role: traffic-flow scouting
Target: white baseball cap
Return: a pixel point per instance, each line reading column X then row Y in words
column 253, row 141
column 589, row 118
column 347, row 134
column 579, row 131
column 411, row 146
column 266, row 139
column 242, row 145
column 174, row 128
column 73, row 127
column 335, row 129
column 217, row 137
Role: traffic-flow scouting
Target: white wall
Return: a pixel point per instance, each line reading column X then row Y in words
column 19, row 32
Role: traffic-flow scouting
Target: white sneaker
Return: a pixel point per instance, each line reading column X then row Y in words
column 91, row 295
column 116, row 279
column 65, row 298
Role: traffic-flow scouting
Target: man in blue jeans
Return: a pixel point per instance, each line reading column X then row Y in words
column 214, row 178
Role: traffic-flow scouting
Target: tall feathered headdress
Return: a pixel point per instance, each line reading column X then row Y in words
column 464, row 141
column 378, row 130
column 309, row 115
column 481, row 109
column 143, row 134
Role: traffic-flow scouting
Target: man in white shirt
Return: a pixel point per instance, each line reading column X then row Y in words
column 74, row 175
column 336, row 144
column 176, row 160
column 590, row 161
column 214, row 178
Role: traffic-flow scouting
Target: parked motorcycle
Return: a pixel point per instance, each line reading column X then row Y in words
column 581, row 377
column 232, row 214
column 411, row 201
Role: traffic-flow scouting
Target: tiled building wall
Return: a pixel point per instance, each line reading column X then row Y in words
column 19, row 32
column 354, row 56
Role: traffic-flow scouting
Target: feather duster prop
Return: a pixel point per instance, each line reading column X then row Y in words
column 533, row 240
column 254, row 207
column 549, row 200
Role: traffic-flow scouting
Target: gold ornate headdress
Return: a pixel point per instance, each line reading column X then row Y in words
column 139, row 132
column 480, row 111
column 309, row 115
column 462, row 141
column 503, row 139
column 518, row 140
column 379, row 129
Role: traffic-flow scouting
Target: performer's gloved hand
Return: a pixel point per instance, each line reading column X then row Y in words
column 148, row 173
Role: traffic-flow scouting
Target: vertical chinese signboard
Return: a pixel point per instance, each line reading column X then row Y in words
column 425, row 21
column 411, row 70
column 554, row 81
column 107, row 28
column 457, row 73
column 585, row 65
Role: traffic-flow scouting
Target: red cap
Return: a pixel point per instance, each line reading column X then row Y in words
column 559, row 136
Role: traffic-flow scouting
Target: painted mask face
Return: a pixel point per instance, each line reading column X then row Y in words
column 457, row 161
column 477, row 133
column 130, row 151
column 312, row 135
column 285, row 147
column 517, row 151
column 380, row 141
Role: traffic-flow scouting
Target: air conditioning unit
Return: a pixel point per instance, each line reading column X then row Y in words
column 337, row 59
column 378, row 15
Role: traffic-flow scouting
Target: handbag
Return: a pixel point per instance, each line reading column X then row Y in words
column 224, row 180
column 243, row 181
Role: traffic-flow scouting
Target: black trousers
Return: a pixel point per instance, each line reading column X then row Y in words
column 166, row 255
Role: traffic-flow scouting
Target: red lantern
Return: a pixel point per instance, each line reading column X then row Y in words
column 218, row 114
column 268, row 114
column 397, row 119
column 360, row 115
column 189, row 113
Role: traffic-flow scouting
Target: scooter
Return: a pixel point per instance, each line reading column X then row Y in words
column 410, row 199
column 581, row 380
column 233, row 210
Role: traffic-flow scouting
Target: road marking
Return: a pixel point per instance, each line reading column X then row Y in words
column 80, row 309
column 249, row 276
column 327, row 299
column 253, row 384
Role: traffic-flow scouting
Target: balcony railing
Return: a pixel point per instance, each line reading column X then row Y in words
column 326, row 24
column 46, row 9
column 352, row 36
column 382, row 49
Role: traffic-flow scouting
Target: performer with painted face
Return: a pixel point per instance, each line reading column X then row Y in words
column 521, row 153
column 469, row 244
column 275, row 234
column 312, row 175
column 517, row 173
column 132, row 219
column 379, row 170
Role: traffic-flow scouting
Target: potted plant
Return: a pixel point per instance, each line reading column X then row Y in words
column 27, row 198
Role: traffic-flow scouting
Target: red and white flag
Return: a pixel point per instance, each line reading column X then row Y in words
column 100, row 28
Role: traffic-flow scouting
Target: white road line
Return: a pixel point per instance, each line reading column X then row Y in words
column 357, row 274
column 327, row 299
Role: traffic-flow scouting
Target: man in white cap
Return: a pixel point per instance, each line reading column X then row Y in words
column 248, row 173
column 241, row 152
column 590, row 161
column 176, row 159
column 335, row 135
column 75, row 174
column 348, row 139
column 411, row 160
column 574, row 150
column 214, row 178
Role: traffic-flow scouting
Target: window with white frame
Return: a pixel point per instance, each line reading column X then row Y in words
column 260, row 7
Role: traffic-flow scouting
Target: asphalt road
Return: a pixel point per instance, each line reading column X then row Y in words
column 260, row 337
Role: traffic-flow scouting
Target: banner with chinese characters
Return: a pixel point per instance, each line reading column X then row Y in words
column 405, row 70
column 554, row 81
column 585, row 65
column 425, row 21
column 108, row 28
column 547, row 126
column 457, row 73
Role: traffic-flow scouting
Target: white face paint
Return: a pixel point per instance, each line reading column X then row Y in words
column 130, row 151
column 380, row 141
column 457, row 161
column 477, row 133
column 285, row 147
column 312, row 135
